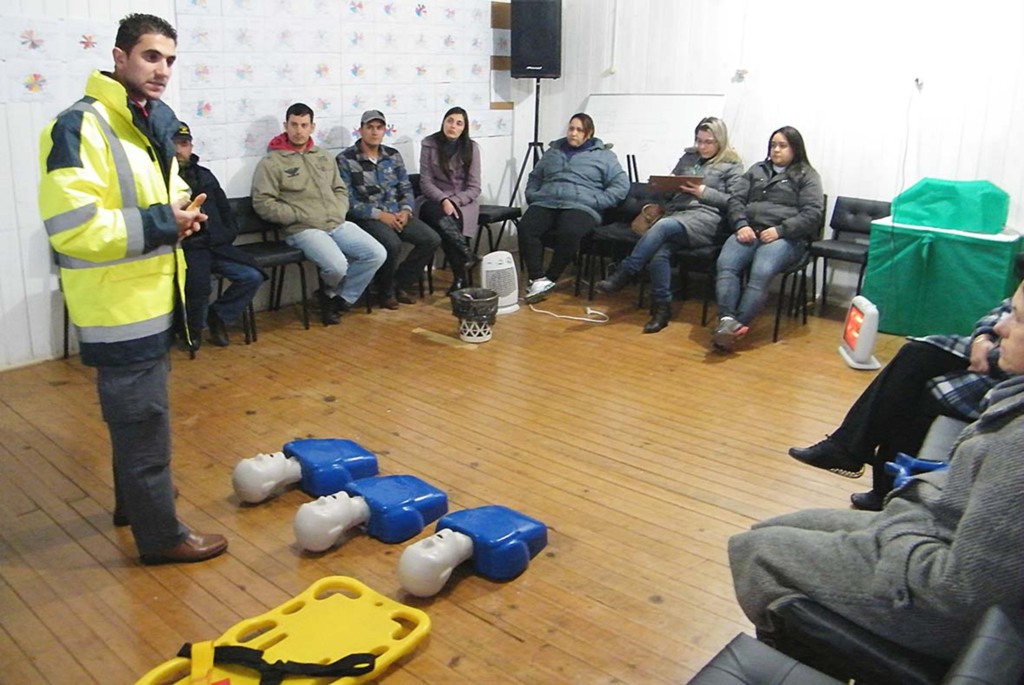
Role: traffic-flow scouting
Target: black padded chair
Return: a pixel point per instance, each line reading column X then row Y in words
column 823, row 640
column 850, row 224
column 495, row 214
column 612, row 239
column 272, row 255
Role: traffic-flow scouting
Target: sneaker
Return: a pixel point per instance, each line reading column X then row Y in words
column 728, row 331
column 538, row 289
column 828, row 455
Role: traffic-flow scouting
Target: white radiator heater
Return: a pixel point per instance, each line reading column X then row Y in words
column 498, row 273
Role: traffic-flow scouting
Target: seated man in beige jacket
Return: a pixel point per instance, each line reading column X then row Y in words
column 297, row 186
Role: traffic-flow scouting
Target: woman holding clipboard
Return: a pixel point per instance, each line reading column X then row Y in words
column 709, row 173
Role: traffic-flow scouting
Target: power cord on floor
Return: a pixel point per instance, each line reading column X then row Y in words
column 589, row 318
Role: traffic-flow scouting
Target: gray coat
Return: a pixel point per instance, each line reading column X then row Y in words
column 922, row 571
column 792, row 201
column 703, row 216
column 591, row 180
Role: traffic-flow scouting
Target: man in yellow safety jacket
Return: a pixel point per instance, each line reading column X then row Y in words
column 115, row 209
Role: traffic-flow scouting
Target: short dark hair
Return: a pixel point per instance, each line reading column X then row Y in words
column 133, row 27
column 796, row 142
column 299, row 109
column 586, row 120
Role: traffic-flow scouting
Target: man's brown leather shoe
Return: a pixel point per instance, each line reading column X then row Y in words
column 404, row 296
column 389, row 303
column 196, row 547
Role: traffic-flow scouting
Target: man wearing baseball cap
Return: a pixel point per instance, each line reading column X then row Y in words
column 382, row 202
column 210, row 252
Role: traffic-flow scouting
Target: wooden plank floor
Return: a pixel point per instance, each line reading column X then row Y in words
column 642, row 453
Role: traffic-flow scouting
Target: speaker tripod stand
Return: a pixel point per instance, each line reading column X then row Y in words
column 535, row 149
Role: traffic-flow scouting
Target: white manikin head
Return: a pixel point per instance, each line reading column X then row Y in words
column 320, row 524
column 257, row 478
column 426, row 565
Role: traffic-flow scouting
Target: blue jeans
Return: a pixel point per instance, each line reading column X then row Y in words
column 655, row 248
column 764, row 260
column 347, row 256
column 244, row 281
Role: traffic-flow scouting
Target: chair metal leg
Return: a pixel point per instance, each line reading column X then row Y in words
column 824, row 283
column 778, row 307
column 249, row 324
column 67, row 332
column 305, row 303
column 860, row 276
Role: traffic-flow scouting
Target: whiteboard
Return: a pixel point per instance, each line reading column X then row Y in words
column 654, row 127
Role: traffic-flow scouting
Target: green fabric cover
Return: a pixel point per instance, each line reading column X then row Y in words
column 975, row 206
column 928, row 282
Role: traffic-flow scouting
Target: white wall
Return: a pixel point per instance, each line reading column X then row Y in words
column 843, row 73
column 30, row 300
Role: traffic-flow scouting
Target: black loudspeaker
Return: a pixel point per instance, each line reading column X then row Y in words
column 536, row 38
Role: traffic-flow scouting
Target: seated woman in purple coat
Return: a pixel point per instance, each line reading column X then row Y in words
column 450, row 183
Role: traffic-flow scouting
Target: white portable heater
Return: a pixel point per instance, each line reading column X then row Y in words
column 859, row 335
column 498, row 273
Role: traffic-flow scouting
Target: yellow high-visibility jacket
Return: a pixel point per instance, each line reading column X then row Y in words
column 107, row 184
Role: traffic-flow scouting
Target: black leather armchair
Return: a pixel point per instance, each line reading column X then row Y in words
column 811, row 645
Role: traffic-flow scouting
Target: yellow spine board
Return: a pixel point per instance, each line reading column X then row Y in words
column 335, row 617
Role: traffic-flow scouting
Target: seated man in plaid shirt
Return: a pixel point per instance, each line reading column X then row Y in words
column 381, row 202
column 945, row 375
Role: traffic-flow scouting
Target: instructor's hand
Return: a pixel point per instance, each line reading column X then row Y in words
column 188, row 216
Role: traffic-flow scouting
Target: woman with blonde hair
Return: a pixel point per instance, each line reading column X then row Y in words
column 692, row 216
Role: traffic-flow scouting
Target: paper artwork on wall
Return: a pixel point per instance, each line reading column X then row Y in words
column 245, row 61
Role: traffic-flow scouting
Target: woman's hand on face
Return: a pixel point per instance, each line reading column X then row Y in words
column 746, row 235
column 448, row 207
column 694, row 188
column 769, row 235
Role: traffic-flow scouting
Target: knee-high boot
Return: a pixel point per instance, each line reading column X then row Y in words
column 460, row 256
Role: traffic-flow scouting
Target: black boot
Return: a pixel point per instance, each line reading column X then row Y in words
column 218, row 331
column 454, row 242
column 329, row 315
column 614, row 283
column 660, row 316
column 459, row 279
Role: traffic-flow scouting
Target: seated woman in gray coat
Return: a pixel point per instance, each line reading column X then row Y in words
column 782, row 205
column 693, row 216
column 946, row 545
column 577, row 178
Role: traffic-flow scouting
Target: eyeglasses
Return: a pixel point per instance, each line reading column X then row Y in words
column 701, row 142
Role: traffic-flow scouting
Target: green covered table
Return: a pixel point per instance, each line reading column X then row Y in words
column 928, row 281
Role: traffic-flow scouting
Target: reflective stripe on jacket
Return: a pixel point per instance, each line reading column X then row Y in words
column 105, row 200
